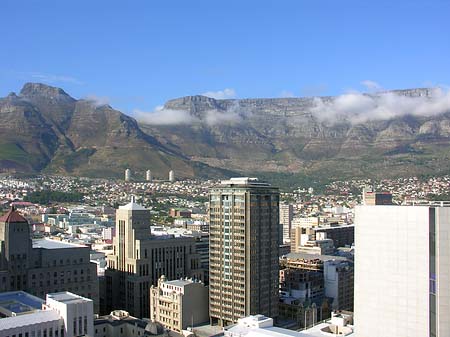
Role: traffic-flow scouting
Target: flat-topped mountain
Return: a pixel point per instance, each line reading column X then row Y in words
column 401, row 132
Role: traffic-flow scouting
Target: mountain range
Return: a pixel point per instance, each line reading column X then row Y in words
column 389, row 134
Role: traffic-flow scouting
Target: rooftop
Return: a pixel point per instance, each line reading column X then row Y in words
column 18, row 302
column 54, row 244
column 67, row 297
column 306, row 256
column 133, row 206
column 180, row 283
column 246, row 181
column 31, row 319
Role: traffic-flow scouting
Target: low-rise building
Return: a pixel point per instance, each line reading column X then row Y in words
column 179, row 304
column 62, row 315
column 261, row 326
column 119, row 323
column 43, row 266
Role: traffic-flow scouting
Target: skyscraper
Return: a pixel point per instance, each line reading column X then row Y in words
column 402, row 278
column 139, row 259
column 244, row 233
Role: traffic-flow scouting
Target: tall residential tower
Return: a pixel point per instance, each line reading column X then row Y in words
column 244, row 233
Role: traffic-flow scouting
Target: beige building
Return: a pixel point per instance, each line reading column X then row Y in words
column 139, row 259
column 179, row 304
column 43, row 266
column 244, row 233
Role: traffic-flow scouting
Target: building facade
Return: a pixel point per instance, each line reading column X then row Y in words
column 402, row 279
column 139, row 259
column 286, row 214
column 62, row 315
column 244, row 234
column 119, row 323
column 179, row 304
column 43, row 266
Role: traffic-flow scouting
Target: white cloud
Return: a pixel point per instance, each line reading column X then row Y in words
column 371, row 86
column 98, row 100
column 52, row 78
column 360, row 108
column 221, row 94
column 162, row 116
column 287, row 94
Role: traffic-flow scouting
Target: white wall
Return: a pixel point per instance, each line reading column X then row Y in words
column 391, row 271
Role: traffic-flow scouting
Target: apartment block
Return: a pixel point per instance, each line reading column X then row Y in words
column 244, row 232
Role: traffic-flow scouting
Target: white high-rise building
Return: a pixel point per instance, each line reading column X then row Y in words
column 286, row 214
column 171, row 176
column 148, row 175
column 402, row 271
column 127, row 175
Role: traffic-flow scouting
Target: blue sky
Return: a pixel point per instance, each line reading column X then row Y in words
column 138, row 54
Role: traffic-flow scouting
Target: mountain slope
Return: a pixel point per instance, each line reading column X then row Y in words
column 44, row 129
column 406, row 135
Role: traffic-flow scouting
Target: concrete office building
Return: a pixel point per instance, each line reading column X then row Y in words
column 62, row 315
column 43, row 266
column 148, row 175
column 339, row 283
column 338, row 275
column 179, row 304
column 139, row 259
column 244, row 232
column 371, row 197
column 286, row 214
column 402, row 278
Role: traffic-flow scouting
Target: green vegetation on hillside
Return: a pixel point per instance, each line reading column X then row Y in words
column 46, row 197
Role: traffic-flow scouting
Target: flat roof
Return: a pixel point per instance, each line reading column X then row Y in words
column 67, row 297
column 244, row 181
column 54, row 244
column 315, row 331
column 306, row 256
column 29, row 319
column 180, row 283
column 19, row 302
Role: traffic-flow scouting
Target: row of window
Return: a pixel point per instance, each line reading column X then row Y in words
column 41, row 333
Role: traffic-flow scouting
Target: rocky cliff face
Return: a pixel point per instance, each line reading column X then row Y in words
column 403, row 132
column 44, row 129
column 398, row 134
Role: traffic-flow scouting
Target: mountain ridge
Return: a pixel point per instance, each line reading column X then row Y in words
column 44, row 129
column 78, row 137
